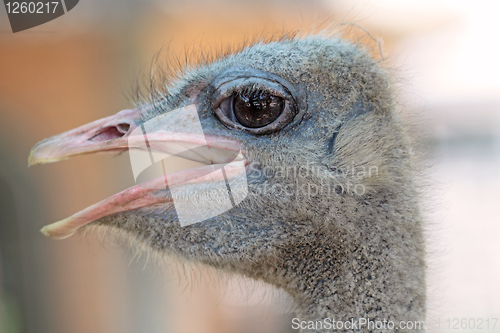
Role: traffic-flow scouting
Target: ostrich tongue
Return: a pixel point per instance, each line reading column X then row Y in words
column 178, row 132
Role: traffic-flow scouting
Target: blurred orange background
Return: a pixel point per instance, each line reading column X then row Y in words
column 84, row 65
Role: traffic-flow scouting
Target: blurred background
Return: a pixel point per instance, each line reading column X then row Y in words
column 84, row 65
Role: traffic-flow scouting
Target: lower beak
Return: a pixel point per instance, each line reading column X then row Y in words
column 178, row 132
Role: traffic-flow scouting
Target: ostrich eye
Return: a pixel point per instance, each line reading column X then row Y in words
column 257, row 109
column 254, row 108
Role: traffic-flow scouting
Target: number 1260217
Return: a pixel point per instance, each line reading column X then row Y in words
column 31, row 7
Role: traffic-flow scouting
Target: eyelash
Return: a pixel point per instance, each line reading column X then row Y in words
column 252, row 90
column 249, row 90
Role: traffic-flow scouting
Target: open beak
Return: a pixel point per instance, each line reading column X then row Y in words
column 177, row 133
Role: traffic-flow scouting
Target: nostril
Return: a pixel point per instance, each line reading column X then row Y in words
column 123, row 128
column 111, row 132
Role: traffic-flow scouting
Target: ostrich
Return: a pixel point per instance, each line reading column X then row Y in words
column 330, row 213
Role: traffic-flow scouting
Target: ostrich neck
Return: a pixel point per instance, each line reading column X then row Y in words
column 347, row 274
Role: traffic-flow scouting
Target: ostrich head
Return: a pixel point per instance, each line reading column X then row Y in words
column 301, row 137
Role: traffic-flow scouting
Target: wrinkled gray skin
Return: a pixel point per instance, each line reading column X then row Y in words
column 341, row 254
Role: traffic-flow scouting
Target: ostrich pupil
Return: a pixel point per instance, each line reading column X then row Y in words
column 257, row 109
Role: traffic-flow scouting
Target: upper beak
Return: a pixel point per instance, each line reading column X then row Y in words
column 178, row 132
column 103, row 135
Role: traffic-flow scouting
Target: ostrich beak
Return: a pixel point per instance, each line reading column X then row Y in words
column 92, row 137
column 177, row 132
